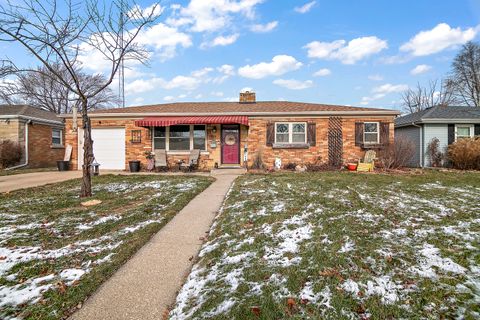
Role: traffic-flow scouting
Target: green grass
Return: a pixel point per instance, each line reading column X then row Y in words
column 45, row 231
column 25, row 170
column 341, row 246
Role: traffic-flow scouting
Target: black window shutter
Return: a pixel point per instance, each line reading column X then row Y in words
column 311, row 134
column 451, row 133
column 358, row 134
column 270, row 134
column 384, row 132
column 476, row 131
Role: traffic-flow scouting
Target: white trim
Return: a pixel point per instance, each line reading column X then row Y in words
column 290, row 132
column 37, row 120
column 470, row 126
column 378, row 132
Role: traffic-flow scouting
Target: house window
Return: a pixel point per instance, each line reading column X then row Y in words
column 290, row 132
column 136, row 136
column 199, row 136
column 464, row 132
column 56, row 137
column 371, row 133
column 159, row 138
column 180, row 137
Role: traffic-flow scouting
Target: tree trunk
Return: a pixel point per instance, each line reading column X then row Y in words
column 86, row 190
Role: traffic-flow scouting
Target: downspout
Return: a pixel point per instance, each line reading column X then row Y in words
column 26, row 149
column 422, row 165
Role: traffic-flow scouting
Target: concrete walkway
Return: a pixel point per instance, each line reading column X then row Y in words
column 147, row 284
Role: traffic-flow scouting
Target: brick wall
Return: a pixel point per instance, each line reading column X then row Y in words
column 257, row 141
column 253, row 136
column 41, row 153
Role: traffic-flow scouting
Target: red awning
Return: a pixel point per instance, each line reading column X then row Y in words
column 170, row 121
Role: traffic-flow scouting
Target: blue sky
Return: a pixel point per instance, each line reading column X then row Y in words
column 360, row 53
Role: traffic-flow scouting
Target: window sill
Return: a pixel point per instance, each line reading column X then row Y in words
column 184, row 152
column 57, row 146
column 290, row 146
column 372, row 146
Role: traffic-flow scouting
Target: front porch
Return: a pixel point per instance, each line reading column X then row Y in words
column 221, row 141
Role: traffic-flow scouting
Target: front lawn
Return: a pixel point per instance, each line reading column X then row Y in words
column 54, row 252
column 341, row 246
column 25, row 170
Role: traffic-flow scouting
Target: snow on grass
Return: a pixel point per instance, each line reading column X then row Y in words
column 47, row 229
column 340, row 246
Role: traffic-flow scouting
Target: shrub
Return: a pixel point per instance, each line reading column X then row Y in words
column 396, row 155
column 10, row 153
column 465, row 153
column 258, row 161
column 290, row 166
column 433, row 152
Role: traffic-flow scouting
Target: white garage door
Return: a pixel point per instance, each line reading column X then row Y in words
column 108, row 148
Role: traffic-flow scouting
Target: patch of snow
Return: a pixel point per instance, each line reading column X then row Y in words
column 71, row 275
column 351, row 286
column 30, row 291
column 348, row 246
column 431, row 258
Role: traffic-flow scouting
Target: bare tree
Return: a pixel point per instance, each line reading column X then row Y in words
column 423, row 97
column 40, row 89
column 466, row 74
column 57, row 32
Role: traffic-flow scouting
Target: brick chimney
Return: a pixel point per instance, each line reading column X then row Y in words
column 247, row 97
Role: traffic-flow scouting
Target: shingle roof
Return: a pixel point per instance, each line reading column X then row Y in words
column 28, row 111
column 194, row 108
column 438, row 113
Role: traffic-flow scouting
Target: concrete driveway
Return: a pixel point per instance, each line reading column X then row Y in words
column 34, row 179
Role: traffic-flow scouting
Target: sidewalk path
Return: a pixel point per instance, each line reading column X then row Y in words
column 147, row 284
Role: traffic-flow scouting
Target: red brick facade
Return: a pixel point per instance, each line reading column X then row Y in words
column 252, row 137
column 41, row 152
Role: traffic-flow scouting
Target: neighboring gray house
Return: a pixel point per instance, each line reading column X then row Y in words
column 446, row 123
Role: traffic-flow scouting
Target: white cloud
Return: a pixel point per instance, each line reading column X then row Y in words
column 264, row 28
column 322, row 73
column 245, row 89
column 201, row 72
column 348, row 53
column 293, row 84
column 226, row 71
column 221, row 41
column 421, row 68
column 375, row 77
column 280, row 64
column 306, row 7
column 169, row 98
column 213, row 15
column 137, row 12
column 164, row 40
column 441, row 37
column 178, row 82
column 198, row 96
column 381, row 91
column 389, row 88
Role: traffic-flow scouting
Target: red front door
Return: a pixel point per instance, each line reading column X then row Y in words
column 230, row 144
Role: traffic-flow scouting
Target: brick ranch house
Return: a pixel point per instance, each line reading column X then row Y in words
column 39, row 132
column 232, row 134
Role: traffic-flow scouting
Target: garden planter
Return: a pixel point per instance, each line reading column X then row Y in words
column 63, row 165
column 134, row 166
column 352, row 166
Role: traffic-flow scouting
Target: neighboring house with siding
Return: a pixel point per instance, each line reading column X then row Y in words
column 233, row 134
column 446, row 123
column 40, row 133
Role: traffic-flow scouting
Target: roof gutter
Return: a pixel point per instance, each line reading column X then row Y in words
column 190, row 114
column 38, row 120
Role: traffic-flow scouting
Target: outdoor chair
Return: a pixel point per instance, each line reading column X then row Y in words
column 192, row 163
column 368, row 163
column 160, row 159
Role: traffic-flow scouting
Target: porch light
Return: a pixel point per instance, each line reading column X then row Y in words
column 95, row 167
column 214, row 129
